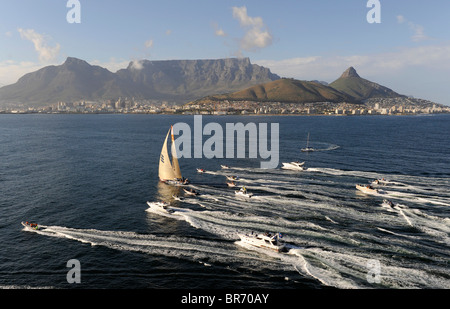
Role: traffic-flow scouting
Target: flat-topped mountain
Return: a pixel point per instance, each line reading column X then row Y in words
column 171, row 80
column 187, row 79
column 359, row 88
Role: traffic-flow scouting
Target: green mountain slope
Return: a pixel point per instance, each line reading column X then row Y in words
column 285, row 90
column 359, row 88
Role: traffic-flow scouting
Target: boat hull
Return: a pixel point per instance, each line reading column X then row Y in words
column 31, row 227
column 240, row 193
column 366, row 189
column 307, row 149
column 293, row 166
column 261, row 242
column 161, row 207
column 190, row 192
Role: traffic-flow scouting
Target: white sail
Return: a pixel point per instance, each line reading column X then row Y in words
column 175, row 165
column 169, row 170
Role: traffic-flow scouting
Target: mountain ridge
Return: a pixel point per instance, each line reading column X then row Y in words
column 170, row 80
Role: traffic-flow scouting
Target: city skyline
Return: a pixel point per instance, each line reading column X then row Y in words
column 408, row 51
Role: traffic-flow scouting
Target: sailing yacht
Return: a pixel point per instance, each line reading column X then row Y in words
column 307, row 149
column 169, row 172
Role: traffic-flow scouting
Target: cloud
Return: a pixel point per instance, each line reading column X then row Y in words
column 418, row 30
column 401, row 19
column 149, row 44
column 45, row 52
column 218, row 31
column 112, row 64
column 257, row 36
column 433, row 57
column 137, row 65
column 11, row 71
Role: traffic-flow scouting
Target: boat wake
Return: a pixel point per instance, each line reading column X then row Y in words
column 332, row 234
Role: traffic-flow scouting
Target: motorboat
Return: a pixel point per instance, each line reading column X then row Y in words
column 176, row 182
column 367, row 189
column 266, row 241
column 190, row 192
column 243, row 192
column 177, row 198
column 200, row 170
column 231, row 184
column 388, row 203
column 31, row 226
column 232, row 178
column 294, row 166
column 380, row 181
column 225, row 167
column 160, row 206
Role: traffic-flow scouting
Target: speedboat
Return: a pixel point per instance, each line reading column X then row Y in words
column 388, row 203
column 232, row 178
column 177, row 198
column 243, row 192
column 200, row 170
column 266, row 241
column 294, row 166
column 31, row 226
column 231, row 184
column 225, row 167
column 367, row 189
column 190, row 192
column 160, row 206
column 176, row 182
column 380, row 181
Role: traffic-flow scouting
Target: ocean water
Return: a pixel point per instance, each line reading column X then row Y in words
column 86, row 179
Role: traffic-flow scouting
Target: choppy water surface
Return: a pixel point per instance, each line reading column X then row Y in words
column 86, row 179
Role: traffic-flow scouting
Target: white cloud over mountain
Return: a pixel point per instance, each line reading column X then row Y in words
column 45, row 53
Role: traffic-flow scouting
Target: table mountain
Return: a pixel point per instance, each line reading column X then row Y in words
column 171, row 80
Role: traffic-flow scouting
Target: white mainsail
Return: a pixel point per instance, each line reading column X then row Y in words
column 169, row 170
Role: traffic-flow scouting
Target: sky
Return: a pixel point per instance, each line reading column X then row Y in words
column 401, row 44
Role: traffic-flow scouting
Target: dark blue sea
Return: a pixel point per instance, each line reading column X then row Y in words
column 86, row 180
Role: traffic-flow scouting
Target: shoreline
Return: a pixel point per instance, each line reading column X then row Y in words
column 221, row 115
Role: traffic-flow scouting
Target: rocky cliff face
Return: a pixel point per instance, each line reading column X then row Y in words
column 172, row 80
column 194, row 78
